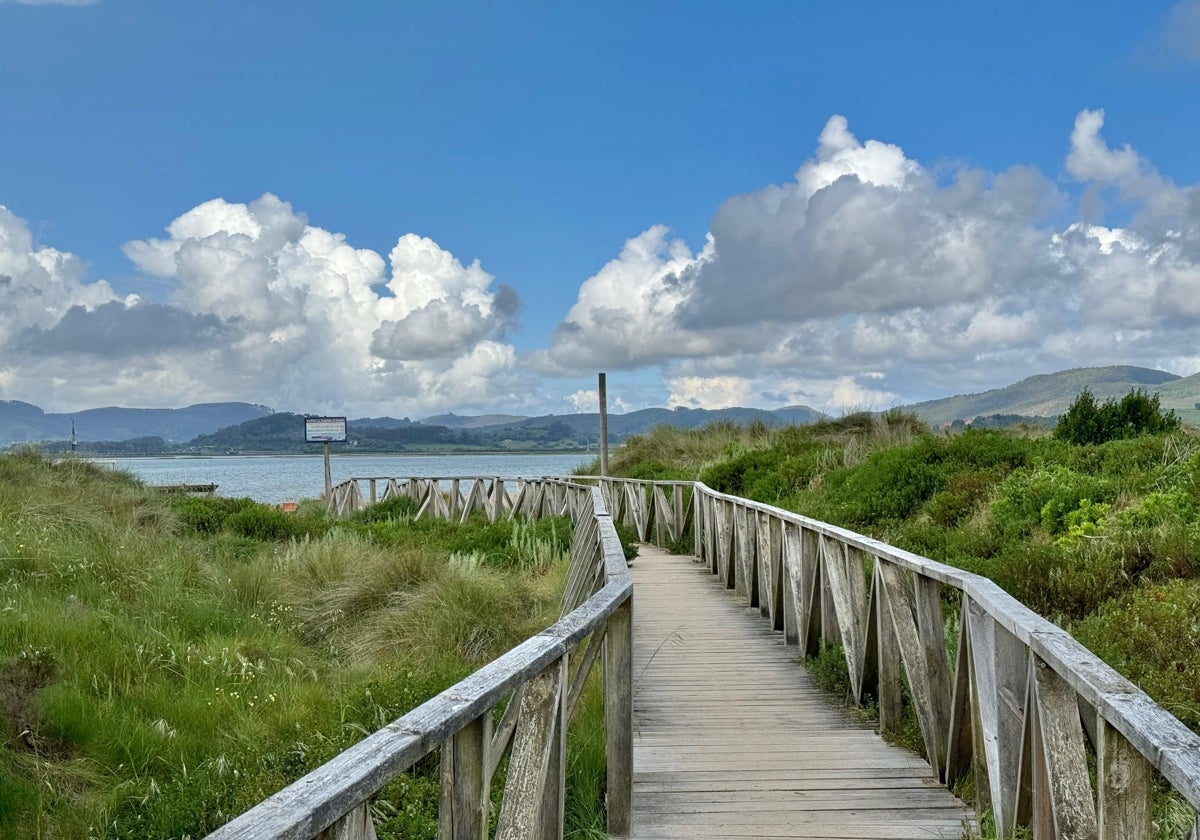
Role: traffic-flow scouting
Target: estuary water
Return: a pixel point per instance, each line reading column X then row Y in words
column 279, row 478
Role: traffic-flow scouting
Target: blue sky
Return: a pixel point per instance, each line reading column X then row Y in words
column 379, row 208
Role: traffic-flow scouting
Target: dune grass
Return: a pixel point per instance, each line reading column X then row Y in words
column 166, row 664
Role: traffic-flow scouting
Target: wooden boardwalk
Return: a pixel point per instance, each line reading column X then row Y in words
column 732, row 739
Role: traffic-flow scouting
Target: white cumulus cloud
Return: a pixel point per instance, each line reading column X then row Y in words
column 263, row 306
column 935, row 281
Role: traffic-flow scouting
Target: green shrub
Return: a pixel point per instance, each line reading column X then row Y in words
column 1153, row 638
column 734, row 475
column 1044, row 496
column 890, row 484
column 964, row 494
column 829, row 670
column 207, row 514
column 264, row 522
column 1087, row 422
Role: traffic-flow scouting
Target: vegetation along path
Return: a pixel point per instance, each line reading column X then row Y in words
column 733, row 739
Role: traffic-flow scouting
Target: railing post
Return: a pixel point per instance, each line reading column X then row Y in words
column 463, row 811
column 554, row 794
column 356, row 825
column 618, row 717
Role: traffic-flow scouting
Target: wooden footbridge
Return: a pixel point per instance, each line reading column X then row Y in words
column 713, row 730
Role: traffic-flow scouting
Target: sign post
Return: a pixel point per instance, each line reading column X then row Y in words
column 603, row 391
column 325, row 430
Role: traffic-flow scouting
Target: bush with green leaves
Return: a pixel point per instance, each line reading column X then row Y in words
column 1153, row 638
column 1087, row 422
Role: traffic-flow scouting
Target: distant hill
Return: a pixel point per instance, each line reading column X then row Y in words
column 620, row 426
column 221, row 427
column 1050, row 394
column 284, row 432
column 24, row 423
column 460, row 421
column 1182, row 395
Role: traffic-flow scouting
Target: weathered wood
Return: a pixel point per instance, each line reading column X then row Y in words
column 901, row 610
column 356, row 825
column 521, row 811
column 745, row 581
column 1000, row 672
column 959, row 747
column 812, row 584
column 555, row 787
column 618, row 718
column 1066, row 766
column 465, row 782
column 584, row 669
column 502, row 734
column 726, row 552
column 1124, row 787
column 932, row 630
column 774, row 575
column 678, row 524
column 849, row 597
column 734, row 742
column 891, row 699
column 792, row 584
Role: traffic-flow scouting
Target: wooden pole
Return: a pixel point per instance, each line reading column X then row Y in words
column 328, row 475
column 603, row 427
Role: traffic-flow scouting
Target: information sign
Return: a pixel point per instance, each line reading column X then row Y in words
column 324, row 429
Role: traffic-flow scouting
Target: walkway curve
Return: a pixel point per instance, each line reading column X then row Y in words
column 732, row 738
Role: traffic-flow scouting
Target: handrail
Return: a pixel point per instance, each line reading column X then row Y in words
column 541, row 687
column 1054, row 738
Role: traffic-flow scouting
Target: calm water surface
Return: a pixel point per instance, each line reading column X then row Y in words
column 277, row 478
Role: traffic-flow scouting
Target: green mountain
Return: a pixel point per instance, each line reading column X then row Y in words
column 585, row 428
column 464, row 421
column 1050, row 394
column 21, row 422
column 1183, row 395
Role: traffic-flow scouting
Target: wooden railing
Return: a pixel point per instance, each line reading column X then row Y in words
column 540, row 682
column 1056, row 739
column 1053, row 737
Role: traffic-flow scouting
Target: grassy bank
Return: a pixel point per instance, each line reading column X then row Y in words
column 166, row 664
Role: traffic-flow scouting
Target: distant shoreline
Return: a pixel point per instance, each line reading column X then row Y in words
column 357, row 453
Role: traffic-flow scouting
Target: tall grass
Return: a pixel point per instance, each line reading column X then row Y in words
column 166, row 664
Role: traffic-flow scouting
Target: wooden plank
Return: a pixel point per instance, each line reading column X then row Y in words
column 959, row 748
column 1061, row 732
column 725, row 545
column 618, row 718
column 733, row 739
column 554, row 789
column 812, row 584
column 791, row 582
column 1125, row 787
column 764, row 573
column 932, row 630
column 465, row 782
column 1000, row 670
column 849, row 598
column 746, row 581
column 521, row 808
column 357, row 825
column 901, row 609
